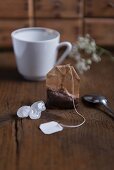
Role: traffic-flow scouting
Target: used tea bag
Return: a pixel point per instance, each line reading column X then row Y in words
column 62, row 84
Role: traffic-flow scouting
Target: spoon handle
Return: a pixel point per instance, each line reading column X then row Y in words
column 110, row 111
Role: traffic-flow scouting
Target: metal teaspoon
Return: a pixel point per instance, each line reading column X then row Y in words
column 98, row 100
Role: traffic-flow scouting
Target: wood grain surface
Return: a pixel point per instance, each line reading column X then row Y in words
column 99, row 33
column 24, row 147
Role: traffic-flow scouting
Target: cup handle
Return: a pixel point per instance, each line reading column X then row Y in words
column 66, row 52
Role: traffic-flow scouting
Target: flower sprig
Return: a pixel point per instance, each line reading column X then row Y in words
column 85, row 51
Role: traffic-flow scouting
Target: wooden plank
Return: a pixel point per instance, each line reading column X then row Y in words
column 68, row 28
column 14, row 9
column 7, row 145
column 96, row 8
column 7, row 26
column 31, row 12
column 100, row 29
column 24, row 147
column 59, row 8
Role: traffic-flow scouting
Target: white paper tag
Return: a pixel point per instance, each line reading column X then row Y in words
column 50, row 127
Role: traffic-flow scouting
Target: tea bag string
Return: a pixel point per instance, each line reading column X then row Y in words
column 78, row 125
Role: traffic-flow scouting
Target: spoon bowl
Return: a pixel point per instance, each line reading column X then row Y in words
column 95, row 100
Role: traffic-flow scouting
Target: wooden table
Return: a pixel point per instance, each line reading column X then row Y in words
column 24, row 147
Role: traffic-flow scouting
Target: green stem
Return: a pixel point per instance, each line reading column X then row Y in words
column 104, row 51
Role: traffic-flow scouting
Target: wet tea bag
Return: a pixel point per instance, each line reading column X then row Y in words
column 62, row 92
column 62, row 84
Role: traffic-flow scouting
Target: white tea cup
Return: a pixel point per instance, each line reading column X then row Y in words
column 36, row 51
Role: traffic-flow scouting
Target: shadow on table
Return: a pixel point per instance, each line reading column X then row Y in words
column 101, row 108
column 10, row 74
column 5, row 118
column 54, row 115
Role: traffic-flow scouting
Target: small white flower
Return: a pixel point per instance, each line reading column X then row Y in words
column 74, row 51
column 95, row 57
column 81, row 66
column 86, row 40
column 87, row 36
column 88, row 50
column 93, row 44
column 90, row 47
column 82, row 43
column 89, row 61
column 78, row 57
column 85, row 45
column 80, row 39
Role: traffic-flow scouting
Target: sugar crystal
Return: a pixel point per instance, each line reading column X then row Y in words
column 23, row 111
